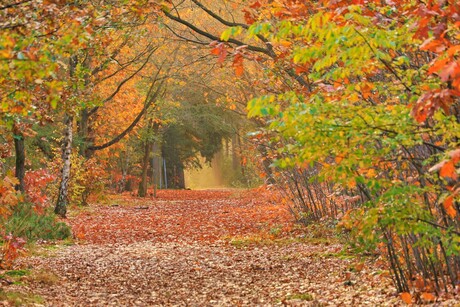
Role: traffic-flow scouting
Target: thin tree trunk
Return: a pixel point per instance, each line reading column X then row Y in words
column 61, row 205
column 145, row 165
column 180, row 177
column 83, row 132
column 156, row 168
column 20, row 159
column 266, row 162
column 122, row 183
column 236, row 163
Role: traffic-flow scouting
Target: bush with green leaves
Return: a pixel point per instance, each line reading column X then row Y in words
column 30, row 224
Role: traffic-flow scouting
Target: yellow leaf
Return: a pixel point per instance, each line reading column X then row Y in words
column 351, row 184
column 371, row 173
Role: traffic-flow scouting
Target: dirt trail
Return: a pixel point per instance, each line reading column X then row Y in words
column 192, row 248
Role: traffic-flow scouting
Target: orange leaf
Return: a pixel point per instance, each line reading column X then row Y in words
column 215, row 51
column 338, row 159
column 434, row 45
column 238, row 64
column 448, row 170
column 239, row 70
column 406, row 297
column 438, row 65
column 449, row 206
column 453, row 50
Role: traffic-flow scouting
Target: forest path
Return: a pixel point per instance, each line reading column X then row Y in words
column 199, row 248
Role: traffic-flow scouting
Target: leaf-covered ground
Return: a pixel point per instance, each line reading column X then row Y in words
column 199, row 248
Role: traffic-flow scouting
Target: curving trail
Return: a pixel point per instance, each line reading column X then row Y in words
column 193, row 248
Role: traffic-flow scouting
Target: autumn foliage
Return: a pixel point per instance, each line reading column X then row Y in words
column 353, row 107
column 367, row 131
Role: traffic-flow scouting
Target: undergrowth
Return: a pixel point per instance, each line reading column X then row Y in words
column 27, row 223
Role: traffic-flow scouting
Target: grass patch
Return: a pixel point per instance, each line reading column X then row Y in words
column 343, row 255
column 278, row 235
column 300, row 296
column 257, row 240
column 17, row 273
column 44, row 277
column 15, row 276
column 20, row 277
column 19, row 298
column 47, row 250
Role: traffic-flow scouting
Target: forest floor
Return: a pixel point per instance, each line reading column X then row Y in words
column 198, row 248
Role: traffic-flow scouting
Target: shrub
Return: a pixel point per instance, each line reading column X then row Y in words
column 27, row 223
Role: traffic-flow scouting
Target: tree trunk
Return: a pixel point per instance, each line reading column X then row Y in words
column 20, row 159
column 83, row 133
column 266, row 162
column 180, row 178
column 156, row 168
column 124, row 162
column 61, row 205
column 236, row 163
column 145, row 166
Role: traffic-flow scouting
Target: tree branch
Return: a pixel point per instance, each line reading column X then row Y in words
column 387, row 65
column 120, row 85
column 147, row 103
column 215, row 38
column 218, row 18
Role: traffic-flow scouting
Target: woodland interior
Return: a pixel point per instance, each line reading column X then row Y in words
column 229, row 153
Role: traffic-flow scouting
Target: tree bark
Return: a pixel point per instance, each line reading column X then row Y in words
column 180, row 178
column 20, row 159
column 124, row 164
column 61, row 205
column 156, row 167
column 236, row 162
column 266, row 162
column 84, row 133
column 145, row 166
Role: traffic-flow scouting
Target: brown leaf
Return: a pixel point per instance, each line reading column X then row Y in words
column 428, row 297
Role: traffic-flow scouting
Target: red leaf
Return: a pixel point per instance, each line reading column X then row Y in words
column 238, row 64
column 450, row 70
column 255, row 5
column 248, row 17
column 215, row 51
column 221, row 51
